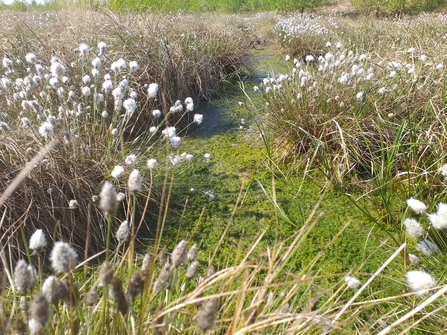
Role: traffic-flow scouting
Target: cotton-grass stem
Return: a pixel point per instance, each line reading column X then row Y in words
column 147, row 202
column 25, row 243
column 369, row 281
column 132, row 233
column 427, row 302
column 162, row 219
column 108, row 234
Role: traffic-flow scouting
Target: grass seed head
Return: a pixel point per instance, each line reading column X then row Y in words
column 135, row 182
column 23, row 277
column 108, row 199
column 123, row 231
column 63, row 257
column 55, row 290
column 420, row 282
column 40, row 308
column 136, row 285
column 207, row 315
column 91, row 297
column 38, row 241
column 179, row 254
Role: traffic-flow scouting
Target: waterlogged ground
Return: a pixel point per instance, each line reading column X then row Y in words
column 238, row 168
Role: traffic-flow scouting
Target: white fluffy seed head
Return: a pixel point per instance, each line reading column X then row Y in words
column 437, row 221
column 108, row 198
column 135, row 182
column 152, row 163
column 152, row 90
column 198, row 118
column 420, row 282
column 427, row 247
column 413, row 228
column 179, row 254
column 123, row 231
column 416, row 206
column 63, row 257
column 38, row 241
column 23, row 276
column 117, row 172
column 352, row 282
column 131, row 159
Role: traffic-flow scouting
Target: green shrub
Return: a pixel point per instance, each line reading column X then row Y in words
column 398, row 7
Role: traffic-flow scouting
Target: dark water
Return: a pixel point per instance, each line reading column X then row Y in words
column 223, row 114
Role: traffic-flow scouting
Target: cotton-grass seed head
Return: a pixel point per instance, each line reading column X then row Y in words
column 23, row 277
column 175, row 159
column 117, row 172
column 152, row 163
column 136, row 285
column 121, row 196
column 175, row 141
column 106, row 274
column 63, row 257
column 133, row 65
column 416, row 206
column 35, row 327
column 108, row 198
column 352, row 282
column 169, row 132
column 135, row 182
column 192, row 253
column 179, row 254
column 31, row 58
column 123, row 231
column 152, row 90
column 414, row 260
column 129, row 105
column 156, row 113
column 46, row 129
column 38, row 241
column 145, row 265
column 26, row 123
column 209, row 195
column 131, row 159
column 198, row 118
column 427, row 247
column 7, row 63
column 162, row 278
column 413, row 228
column 102, row 48
column 420, row 282
column 118, row 65
column 438, row 221
column 57, row 70
column 91, row 297
column 55, row 290
column 207, row 315
column 83, row 49
column 192, row 270
column 73, row 204
column 40, row 308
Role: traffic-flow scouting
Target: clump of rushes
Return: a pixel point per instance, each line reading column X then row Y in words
column 350, row 107
column 97, row 105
